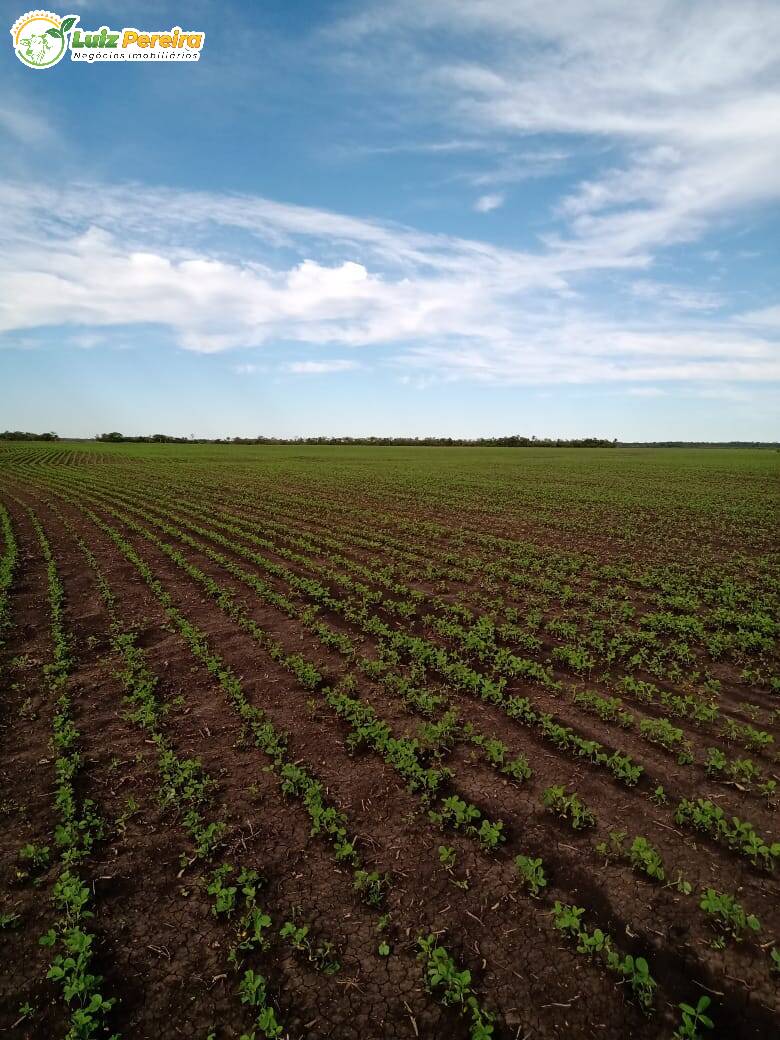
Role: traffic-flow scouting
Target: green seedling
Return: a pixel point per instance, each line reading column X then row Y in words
column 568, row 807
column 727, row 915
column 692, row 1019
column 447, row 856
column 531, row 872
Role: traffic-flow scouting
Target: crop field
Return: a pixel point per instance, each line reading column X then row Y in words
column 386, row 743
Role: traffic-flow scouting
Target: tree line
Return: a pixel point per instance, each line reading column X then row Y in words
column 23, row 435
column 513, row 441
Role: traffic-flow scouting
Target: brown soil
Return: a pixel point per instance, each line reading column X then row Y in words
column 164, row 954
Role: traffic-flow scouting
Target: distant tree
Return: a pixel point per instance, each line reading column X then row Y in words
column 22, row 435
column 514, row 440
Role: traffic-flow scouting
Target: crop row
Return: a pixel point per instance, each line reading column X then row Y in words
column 184, row 784
column 457, row 810
column 8, row 562
column 689, row 706
column 78, row 829
column 519, row 708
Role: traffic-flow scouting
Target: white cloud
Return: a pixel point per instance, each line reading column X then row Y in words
column 306, row 368
column 515, row 168
column 723, row 393
column 442, row 306
column 766, row 316
column 449, row 147
column 88, row 340
column 15, row 124
column 487, row 203
column 248, row 369
column 585, row 351
column 20, row 119
column 684, row 95
column 676, row 296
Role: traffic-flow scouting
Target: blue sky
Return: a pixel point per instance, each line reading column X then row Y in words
column 355, row 218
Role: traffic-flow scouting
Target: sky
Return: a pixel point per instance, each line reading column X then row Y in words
column 460, row 219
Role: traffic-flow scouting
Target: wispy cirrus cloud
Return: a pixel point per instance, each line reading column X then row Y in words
column 675, row 295
column 248, row 368
column 318, row 368
column 514, row 168
column 766, row 317
column 25, row 124
column 685, row 95
column 587, row 352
